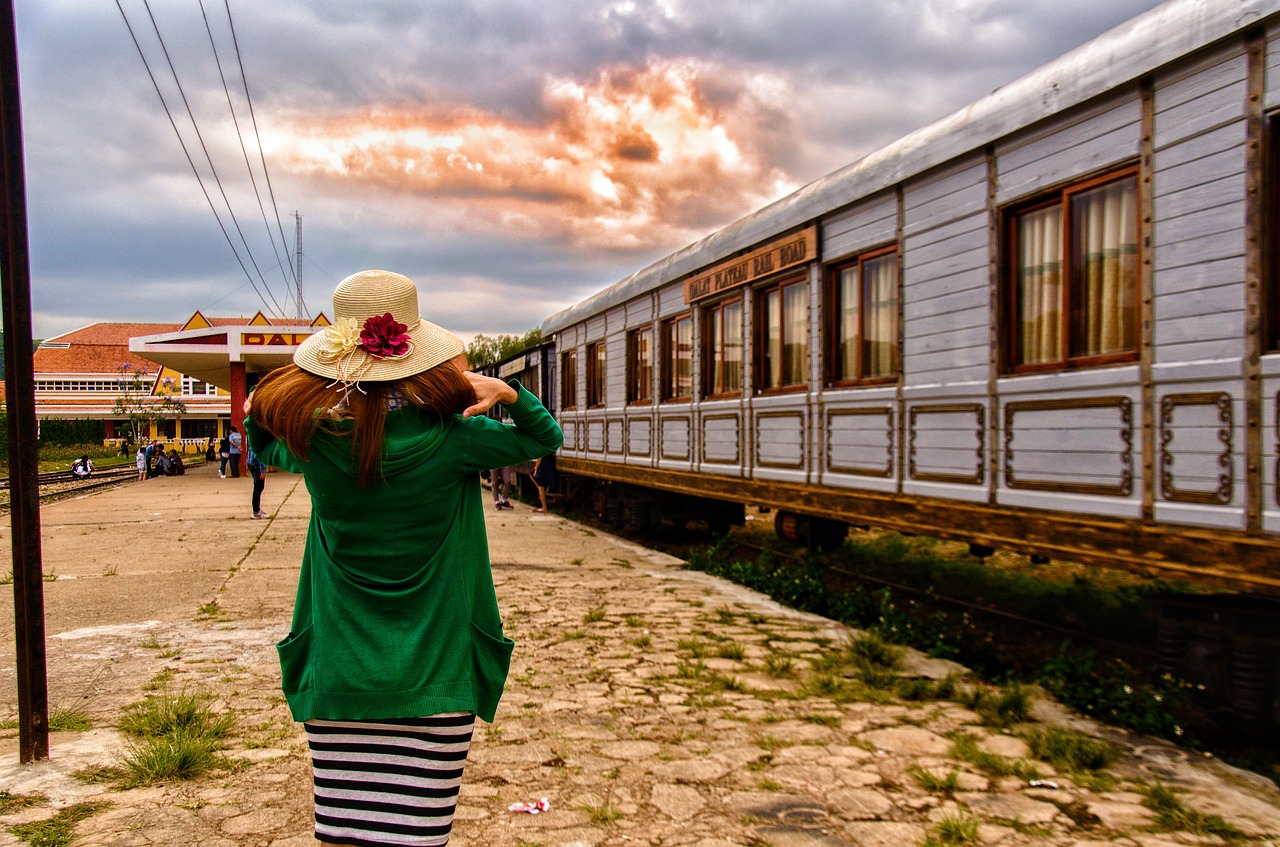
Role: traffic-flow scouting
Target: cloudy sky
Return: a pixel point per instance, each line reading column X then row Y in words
column 511, row 156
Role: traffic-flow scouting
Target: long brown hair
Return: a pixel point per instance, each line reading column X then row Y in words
column 294, row 405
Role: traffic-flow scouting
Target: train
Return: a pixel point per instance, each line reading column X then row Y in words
column 1047, row 323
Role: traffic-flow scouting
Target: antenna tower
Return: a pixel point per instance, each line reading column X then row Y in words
column 298, row 277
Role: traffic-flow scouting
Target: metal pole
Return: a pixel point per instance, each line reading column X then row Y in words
column 24, row 492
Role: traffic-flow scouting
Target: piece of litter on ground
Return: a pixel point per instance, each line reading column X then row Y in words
column 532, row 807
column 1043, row 783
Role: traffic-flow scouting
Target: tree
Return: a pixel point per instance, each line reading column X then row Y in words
column 486, row 350
column 138, row 405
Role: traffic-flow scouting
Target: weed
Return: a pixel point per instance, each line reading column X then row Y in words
column 731, row 650
column 158, row 681
column 965, row 748
column 178, row 756
column 10, row 803
column 930, row 781
column 633, row 621
column 69, row 720
column 697, row 649
column 110, row 570
column 768, row 742
column 955, row 829
column 59, row 829
column 573, row 635
column 594, row 614
column 171, row 653
column 770, row 785
column 97, row 774
column 643, row 642
column 760, row 762
column 577, row 561
column 602, row 814
column 50, row 576
column 6, row 578
column 208, row 610
column 690, row 670
column 825, row 685
column 1172, row 816
column 822, row 720
column 1071, row 751
column 724, row 616
column 873, row 651
column 779, row 666
column 151, row 642
column 172, row 714
column 1000, row 707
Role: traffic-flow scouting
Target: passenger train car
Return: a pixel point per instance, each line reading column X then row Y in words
column 1049, row 323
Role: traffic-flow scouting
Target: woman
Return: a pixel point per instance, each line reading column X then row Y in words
column 396, row 644
column 544, row 476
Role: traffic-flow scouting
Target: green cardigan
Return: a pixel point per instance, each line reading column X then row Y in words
column 396, row 614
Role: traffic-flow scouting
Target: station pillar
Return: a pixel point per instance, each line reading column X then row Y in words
column 239, row 392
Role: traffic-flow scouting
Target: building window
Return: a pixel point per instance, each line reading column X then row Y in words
column 596, row 374
column 640, row 365
column 677, row 358
column 569, row 380
column 723, row 348
column 1072, row 271
column 862, row 315
column 782, row 336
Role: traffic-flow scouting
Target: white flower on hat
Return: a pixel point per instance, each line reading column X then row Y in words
column 339, row 340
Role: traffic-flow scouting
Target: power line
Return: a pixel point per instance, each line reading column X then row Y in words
column 187, row 153
column 254, row 118
column 195, row 126
column 240, row 137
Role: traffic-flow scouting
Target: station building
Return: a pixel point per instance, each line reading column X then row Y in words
column 206, row 364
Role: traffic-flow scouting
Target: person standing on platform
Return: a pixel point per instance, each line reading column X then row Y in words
column 544, row 476
column 500, row 484
column 257, row 471
column 141, row 461
column 235, row 444
column 224, row 455
column 396, row 644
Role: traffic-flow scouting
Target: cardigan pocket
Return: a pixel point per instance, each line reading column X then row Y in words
column 295, row 661
column 490, row 662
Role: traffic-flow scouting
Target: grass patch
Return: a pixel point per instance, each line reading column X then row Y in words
column 175, row 736
column 1071, row 751
column 10, row 803
column 69, row 720
column 601, row 814
column 779, row 667
column 964, row 747
column 58, row 830
column 731, row 650
column 1002, row 707
column 930, row 781
column 919, row 689
column 1173, row 816
column 594, row 615
column 953, row 830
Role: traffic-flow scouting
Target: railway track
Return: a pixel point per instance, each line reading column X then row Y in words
column 58, row 485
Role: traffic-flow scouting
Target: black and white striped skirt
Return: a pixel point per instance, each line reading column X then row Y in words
column 388, row 783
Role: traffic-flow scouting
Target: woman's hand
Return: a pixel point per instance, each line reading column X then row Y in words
column 489, row 392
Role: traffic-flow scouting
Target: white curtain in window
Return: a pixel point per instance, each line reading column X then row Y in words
column 771, row 316
column 880, row 295
column 732, row 347
column 1040, row 286
column 847, row 358
column 1105, row 227
column 795, row 351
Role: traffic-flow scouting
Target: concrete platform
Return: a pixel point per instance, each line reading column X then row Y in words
column 640, row 705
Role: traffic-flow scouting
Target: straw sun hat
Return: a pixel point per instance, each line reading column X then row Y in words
column 377, row 334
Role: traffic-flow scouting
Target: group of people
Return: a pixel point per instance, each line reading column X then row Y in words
column 152, row 461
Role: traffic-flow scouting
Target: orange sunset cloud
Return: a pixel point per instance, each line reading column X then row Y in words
column 634, row 158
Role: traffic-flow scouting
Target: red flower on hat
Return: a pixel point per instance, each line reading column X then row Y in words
column 383, row 337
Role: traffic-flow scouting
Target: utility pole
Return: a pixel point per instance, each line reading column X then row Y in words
column 302, row 311
column 20, row 394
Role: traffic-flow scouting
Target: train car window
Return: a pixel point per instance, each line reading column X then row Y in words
column 677, row 358
column 862, row 319
column 640, row 365
column 569, row 380
column 723, row 348
column 782, row 336
column 596, row 374
column 1072, row 276
column 1271, row 236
